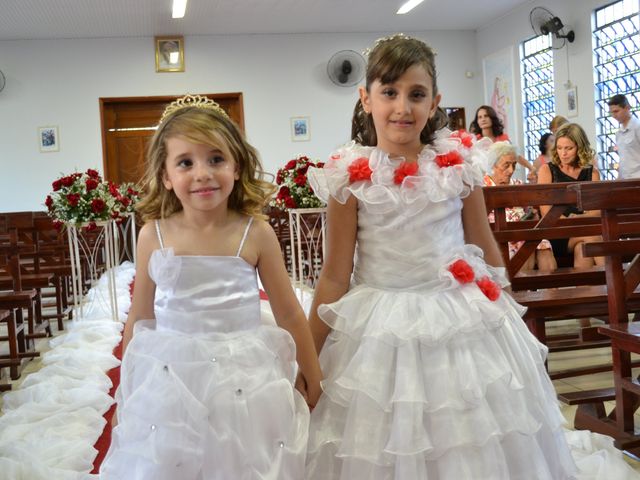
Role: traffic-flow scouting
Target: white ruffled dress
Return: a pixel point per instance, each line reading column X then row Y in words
column 207, row 392
column 427, row 374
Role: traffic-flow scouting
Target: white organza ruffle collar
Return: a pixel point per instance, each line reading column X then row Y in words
column 451, row 167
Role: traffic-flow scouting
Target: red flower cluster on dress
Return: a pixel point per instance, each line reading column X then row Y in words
column 465, row 137
column 489, row 288
column 295, row 191
column 449, row 159
column 463, row 273
column 405, row 169
column 359, row 170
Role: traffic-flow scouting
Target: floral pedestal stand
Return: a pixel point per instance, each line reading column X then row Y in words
column 80, row 246
column 307, row 227
column 127, row 232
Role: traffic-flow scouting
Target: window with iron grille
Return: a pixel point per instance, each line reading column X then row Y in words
column 616, row 59
column 539, row 105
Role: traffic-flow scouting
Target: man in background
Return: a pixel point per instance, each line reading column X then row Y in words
column 627, row 137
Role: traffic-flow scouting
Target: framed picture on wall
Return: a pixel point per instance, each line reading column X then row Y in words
column 300, row 129
column 169, row 54
column 48, row 139
column 572, row 102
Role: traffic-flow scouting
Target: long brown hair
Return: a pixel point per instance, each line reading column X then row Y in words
column 209, row 127
column 388, row 60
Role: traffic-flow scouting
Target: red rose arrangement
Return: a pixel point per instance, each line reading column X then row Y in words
column 82, row 199
column 463, row 273
column 294, row 190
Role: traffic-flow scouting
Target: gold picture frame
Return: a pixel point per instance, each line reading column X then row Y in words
column 169, row 54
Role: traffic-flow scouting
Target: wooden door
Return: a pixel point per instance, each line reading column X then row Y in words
column 129, row 123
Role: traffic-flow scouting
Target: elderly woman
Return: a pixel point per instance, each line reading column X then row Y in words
column 505, row 157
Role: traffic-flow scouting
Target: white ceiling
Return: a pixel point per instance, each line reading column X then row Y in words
column 49, row 19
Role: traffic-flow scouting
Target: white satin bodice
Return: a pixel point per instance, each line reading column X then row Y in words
column 201, row 294
column 406, row 252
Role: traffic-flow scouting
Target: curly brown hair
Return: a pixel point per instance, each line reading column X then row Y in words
column 388, row 61
column 250, row 193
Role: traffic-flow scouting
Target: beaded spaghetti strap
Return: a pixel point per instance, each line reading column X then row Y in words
column 244, row 237
column 159, row 234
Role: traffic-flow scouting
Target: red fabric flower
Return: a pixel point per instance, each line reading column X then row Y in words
column 465, row 138
column 291, row 164
column 406, row 169
column 462, row 271
column 449, row 159
column 73, row 199
column 91, row 184
column 97, row 205
column 489, row 288
column 301, row 179
column 359, row 170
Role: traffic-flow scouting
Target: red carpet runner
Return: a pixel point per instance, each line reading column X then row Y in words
column 103, row 443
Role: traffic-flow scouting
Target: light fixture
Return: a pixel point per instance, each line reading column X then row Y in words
column 407, row 7
column 179, row 7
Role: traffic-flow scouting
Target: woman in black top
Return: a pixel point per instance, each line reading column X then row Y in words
column 571, row 161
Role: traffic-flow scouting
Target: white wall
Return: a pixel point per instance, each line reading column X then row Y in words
column 574, row 62
column 280, row 76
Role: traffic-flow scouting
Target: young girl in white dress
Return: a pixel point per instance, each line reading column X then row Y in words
column 206, row 390
column 430, row 372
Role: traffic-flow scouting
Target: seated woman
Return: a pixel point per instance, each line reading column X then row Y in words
column 571, row 161
column 487, row 124
column 504, row 156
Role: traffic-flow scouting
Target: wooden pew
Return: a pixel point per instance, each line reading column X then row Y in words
column 618, row 203
column 585, row 294
column 16, row 343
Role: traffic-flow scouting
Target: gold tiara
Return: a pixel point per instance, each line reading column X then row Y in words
column 367, row 51
column 196, row 101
